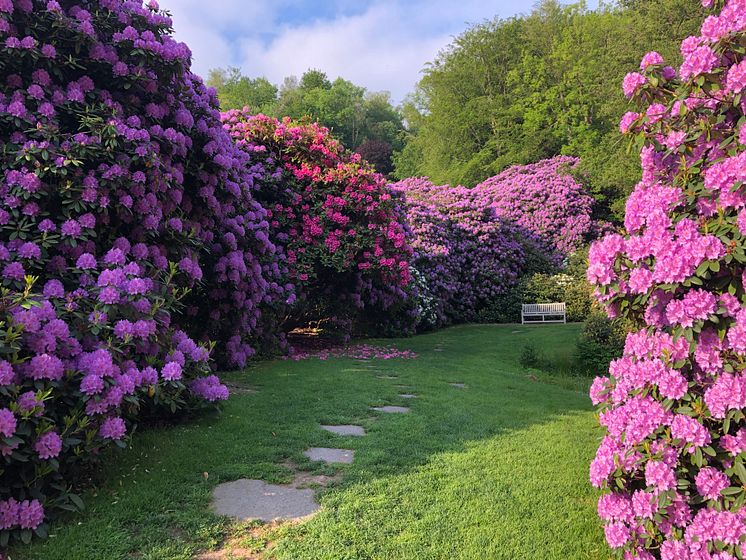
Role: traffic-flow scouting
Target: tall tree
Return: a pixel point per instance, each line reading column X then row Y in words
column 237, row 91
column 355, row 116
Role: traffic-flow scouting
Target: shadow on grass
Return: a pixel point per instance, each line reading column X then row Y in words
column 154, row 503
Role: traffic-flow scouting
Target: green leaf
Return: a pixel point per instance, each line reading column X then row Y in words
column 75, row 499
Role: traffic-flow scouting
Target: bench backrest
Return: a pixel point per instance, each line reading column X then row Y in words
column 543, row 308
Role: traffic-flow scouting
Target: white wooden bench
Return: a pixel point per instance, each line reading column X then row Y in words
column 555, row 311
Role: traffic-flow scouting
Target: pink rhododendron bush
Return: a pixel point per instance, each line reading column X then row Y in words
column 672, row 461
column 127, row 220
column 465, row 254
column 545, row 199
column 341, row 233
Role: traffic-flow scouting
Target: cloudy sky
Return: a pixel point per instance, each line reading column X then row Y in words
column 379, row 44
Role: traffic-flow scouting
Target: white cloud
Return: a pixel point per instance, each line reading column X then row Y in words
column 372, row 49
column 379, row 44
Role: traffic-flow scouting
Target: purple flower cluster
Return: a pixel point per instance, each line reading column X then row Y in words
column 123, row 195
column 467, row 255
column 672, row 463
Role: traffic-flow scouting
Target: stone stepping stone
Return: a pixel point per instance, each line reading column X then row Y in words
column 458, row 385
column 329, row 455
column 407, row 396
column 255, row 499
column 392, row 409
column 345, row 430
column 239, row 389
column 387, row 376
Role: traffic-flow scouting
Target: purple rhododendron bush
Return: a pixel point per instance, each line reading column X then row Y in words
column 466, row 254
column 339, row 228
column 129, row 239
column 544, row 199
column 472, row 246
column 672, row 461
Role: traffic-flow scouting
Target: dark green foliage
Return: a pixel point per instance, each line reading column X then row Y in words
column 505, row 308
column 530, row 356
column 600, row 342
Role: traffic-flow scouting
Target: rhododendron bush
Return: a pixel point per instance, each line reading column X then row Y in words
column 127, row 220
column 340, row 230
column 544, row 199
column 672, row 460
column 466, row 255
column 473, row 245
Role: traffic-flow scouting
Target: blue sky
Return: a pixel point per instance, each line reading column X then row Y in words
column 379, row 44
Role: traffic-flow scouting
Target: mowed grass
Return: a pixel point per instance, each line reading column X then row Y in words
column 495, row 470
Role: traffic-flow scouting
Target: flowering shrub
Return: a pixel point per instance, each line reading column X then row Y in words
column 467, row 256
column 544, row 199
column 673, row 457
column 340, row 229
column 127, row 219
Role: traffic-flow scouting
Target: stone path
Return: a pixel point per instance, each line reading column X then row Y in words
column 391, row 409
column 330, row 455
column 458, row 385
column 255, row 499
column 345, row 430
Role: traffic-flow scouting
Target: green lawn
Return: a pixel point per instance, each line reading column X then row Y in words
column 496, row 470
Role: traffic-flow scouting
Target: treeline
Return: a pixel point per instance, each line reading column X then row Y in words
column 366, row 122
column 519, row 90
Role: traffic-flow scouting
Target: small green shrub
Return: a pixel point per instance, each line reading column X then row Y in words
column 530, row 357
column 600, row 342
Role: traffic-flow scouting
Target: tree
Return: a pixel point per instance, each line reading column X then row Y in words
column 237, row 91
column 353, row 115
column 519, row 90
column 378, row 154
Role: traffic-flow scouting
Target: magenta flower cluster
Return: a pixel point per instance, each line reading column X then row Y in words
column 673, row 460
column 341, row 235
column 544, row 199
